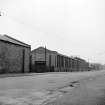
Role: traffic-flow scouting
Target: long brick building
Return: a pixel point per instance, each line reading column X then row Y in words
column 45, row 60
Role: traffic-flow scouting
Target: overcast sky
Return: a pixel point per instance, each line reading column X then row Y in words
column 71, row 27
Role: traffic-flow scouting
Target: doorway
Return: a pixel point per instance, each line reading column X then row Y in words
column 40, row 66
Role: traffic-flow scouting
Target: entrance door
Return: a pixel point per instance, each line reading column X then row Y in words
column 40, row 66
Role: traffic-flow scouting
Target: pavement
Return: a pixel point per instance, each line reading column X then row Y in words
column 79, row 88
column 90, row 91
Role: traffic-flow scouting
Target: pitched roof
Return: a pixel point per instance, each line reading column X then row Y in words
column 43, row 49
column 12, row 40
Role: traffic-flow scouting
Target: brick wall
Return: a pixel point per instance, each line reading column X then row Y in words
column 39, row 55
column 11, row 58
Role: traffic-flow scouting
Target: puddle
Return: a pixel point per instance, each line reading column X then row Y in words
column 64, row 89
column 74, row 84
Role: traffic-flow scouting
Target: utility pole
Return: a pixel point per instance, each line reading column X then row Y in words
column 88, row 65
column 45, row 58
column 0, row 13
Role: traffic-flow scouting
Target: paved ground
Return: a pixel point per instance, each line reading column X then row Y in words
column 89, row 91
column 87, row 88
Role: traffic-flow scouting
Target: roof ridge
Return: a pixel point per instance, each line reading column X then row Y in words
column 44, row 48
column 16, row 39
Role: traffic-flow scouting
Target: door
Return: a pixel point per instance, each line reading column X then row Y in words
column 40, row 66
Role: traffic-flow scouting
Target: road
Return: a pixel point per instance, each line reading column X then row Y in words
column 83, row 88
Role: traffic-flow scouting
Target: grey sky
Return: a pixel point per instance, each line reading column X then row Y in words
column 71, row 27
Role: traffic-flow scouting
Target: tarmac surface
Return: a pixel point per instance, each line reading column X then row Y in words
column 89, row 91
column 82, row 88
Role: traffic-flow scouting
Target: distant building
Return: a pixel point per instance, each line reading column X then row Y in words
column 14, row 55
column 44, row 60
column 82, row 65
column 96, row 66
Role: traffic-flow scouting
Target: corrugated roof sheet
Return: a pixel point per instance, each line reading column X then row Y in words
column 12, row 40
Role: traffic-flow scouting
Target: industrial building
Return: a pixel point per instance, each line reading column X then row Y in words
column 45, row 60
column 14, row 55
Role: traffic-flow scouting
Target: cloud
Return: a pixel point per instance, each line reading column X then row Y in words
column 69, row 26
